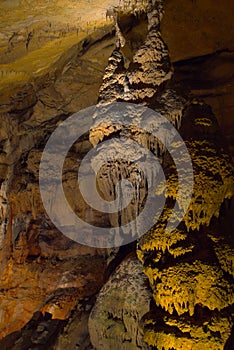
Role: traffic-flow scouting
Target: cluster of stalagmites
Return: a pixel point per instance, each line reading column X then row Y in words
column 190, row 268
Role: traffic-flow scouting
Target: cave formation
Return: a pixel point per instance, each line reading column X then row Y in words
column 165, row 290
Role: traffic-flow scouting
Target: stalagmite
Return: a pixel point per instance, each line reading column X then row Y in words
column 187, row 268
column 177, row 293
column 114, row 322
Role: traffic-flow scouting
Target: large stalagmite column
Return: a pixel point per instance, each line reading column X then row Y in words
column 189, row 272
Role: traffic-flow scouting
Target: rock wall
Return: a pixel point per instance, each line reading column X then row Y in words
column 190, row 270
column 34, row 255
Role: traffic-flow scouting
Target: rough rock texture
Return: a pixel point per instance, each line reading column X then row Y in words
column 114, row 322
column 190, row 281
column 210, row 77
column 190, row 277
column 142, row 82
column 47, row 285
column 149, row 68
column 212, row 168
column 34, row 255
column 43, row 332
column 61, row 21
column 173, row 333
column 60, row 73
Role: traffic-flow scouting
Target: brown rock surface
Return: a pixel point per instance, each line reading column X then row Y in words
column 197, row 27
column 43, row 270
column 210, row 77
column 39, row 252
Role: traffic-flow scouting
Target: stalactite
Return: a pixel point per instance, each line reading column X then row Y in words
column 182, row 273
column 194, row 284
column 179, row 333
column 213, row 172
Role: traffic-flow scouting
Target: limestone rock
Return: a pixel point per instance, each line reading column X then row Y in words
column 212, row 169
column 210, row 332
column 209, row 77
column 114, row 322
column 150, row 67
column 48, row 285
column 48, row 80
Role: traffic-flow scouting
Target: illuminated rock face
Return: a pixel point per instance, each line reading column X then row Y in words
column 181, row 333
column 212, row 168
column 189, row 270
column 150, row 66
column 39, row 265
column 189, row 275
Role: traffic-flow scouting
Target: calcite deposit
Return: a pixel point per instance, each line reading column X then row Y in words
column 114, row 322
column 183, row 266
column 177, row 293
